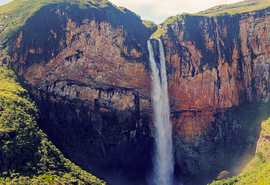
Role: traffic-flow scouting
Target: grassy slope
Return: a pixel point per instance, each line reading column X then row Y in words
column 231, row 9
column 14, row 15
column 26, row 154
column 244, row 6
column 19, row 13
column 149, row 24
column 257, row 172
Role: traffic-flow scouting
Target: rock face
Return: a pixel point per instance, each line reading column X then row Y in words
column 89, row 76
column 215, row 66
column 225, row 58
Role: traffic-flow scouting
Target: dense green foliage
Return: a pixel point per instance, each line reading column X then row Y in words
column 26, row 154
column 257, row 172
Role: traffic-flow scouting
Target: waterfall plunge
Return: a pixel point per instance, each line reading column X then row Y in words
column 163, row 161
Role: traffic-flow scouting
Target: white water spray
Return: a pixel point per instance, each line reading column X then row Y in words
column 163, row 162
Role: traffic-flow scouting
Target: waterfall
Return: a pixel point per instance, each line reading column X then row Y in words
column 163, row 161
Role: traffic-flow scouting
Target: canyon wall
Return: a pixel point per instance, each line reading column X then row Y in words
column 218, row 73
column 88, row 72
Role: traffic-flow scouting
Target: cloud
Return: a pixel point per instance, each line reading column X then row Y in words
column 2, row 2
column 155, row 9
column 159, row 10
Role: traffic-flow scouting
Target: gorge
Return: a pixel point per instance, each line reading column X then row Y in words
column 86, row 66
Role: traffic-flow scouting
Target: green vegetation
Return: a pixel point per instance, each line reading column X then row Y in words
column 241, row 7
column 164, row 26
column 266, row 126
column 257, row 172
column 26, row 154
column 150, row 25
column 15, row 15
column 39, row 25
column 221, row 10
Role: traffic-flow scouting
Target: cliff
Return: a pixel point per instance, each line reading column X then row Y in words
column 85, row 64
column 218, row 68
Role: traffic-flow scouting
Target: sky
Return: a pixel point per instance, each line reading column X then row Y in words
column 159, row 10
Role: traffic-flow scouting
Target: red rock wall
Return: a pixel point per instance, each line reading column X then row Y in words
column 235, row 69
column 89, row 78
column 92, row 55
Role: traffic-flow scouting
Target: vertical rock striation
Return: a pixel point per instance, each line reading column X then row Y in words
column 86, row 66
column 217, row 67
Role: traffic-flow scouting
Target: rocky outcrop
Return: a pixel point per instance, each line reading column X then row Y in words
column 263, row 141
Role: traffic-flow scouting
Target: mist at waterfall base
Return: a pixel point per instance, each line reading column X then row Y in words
column 163, row 159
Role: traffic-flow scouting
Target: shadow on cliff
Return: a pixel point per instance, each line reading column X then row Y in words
column 46, row 29
column 106, row 142
column 229, row 146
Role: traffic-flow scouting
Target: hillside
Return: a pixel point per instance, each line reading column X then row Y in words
column 27, row 155
column 257, row 171
column 245, row 6
column 14, row 15
column 241, row 7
